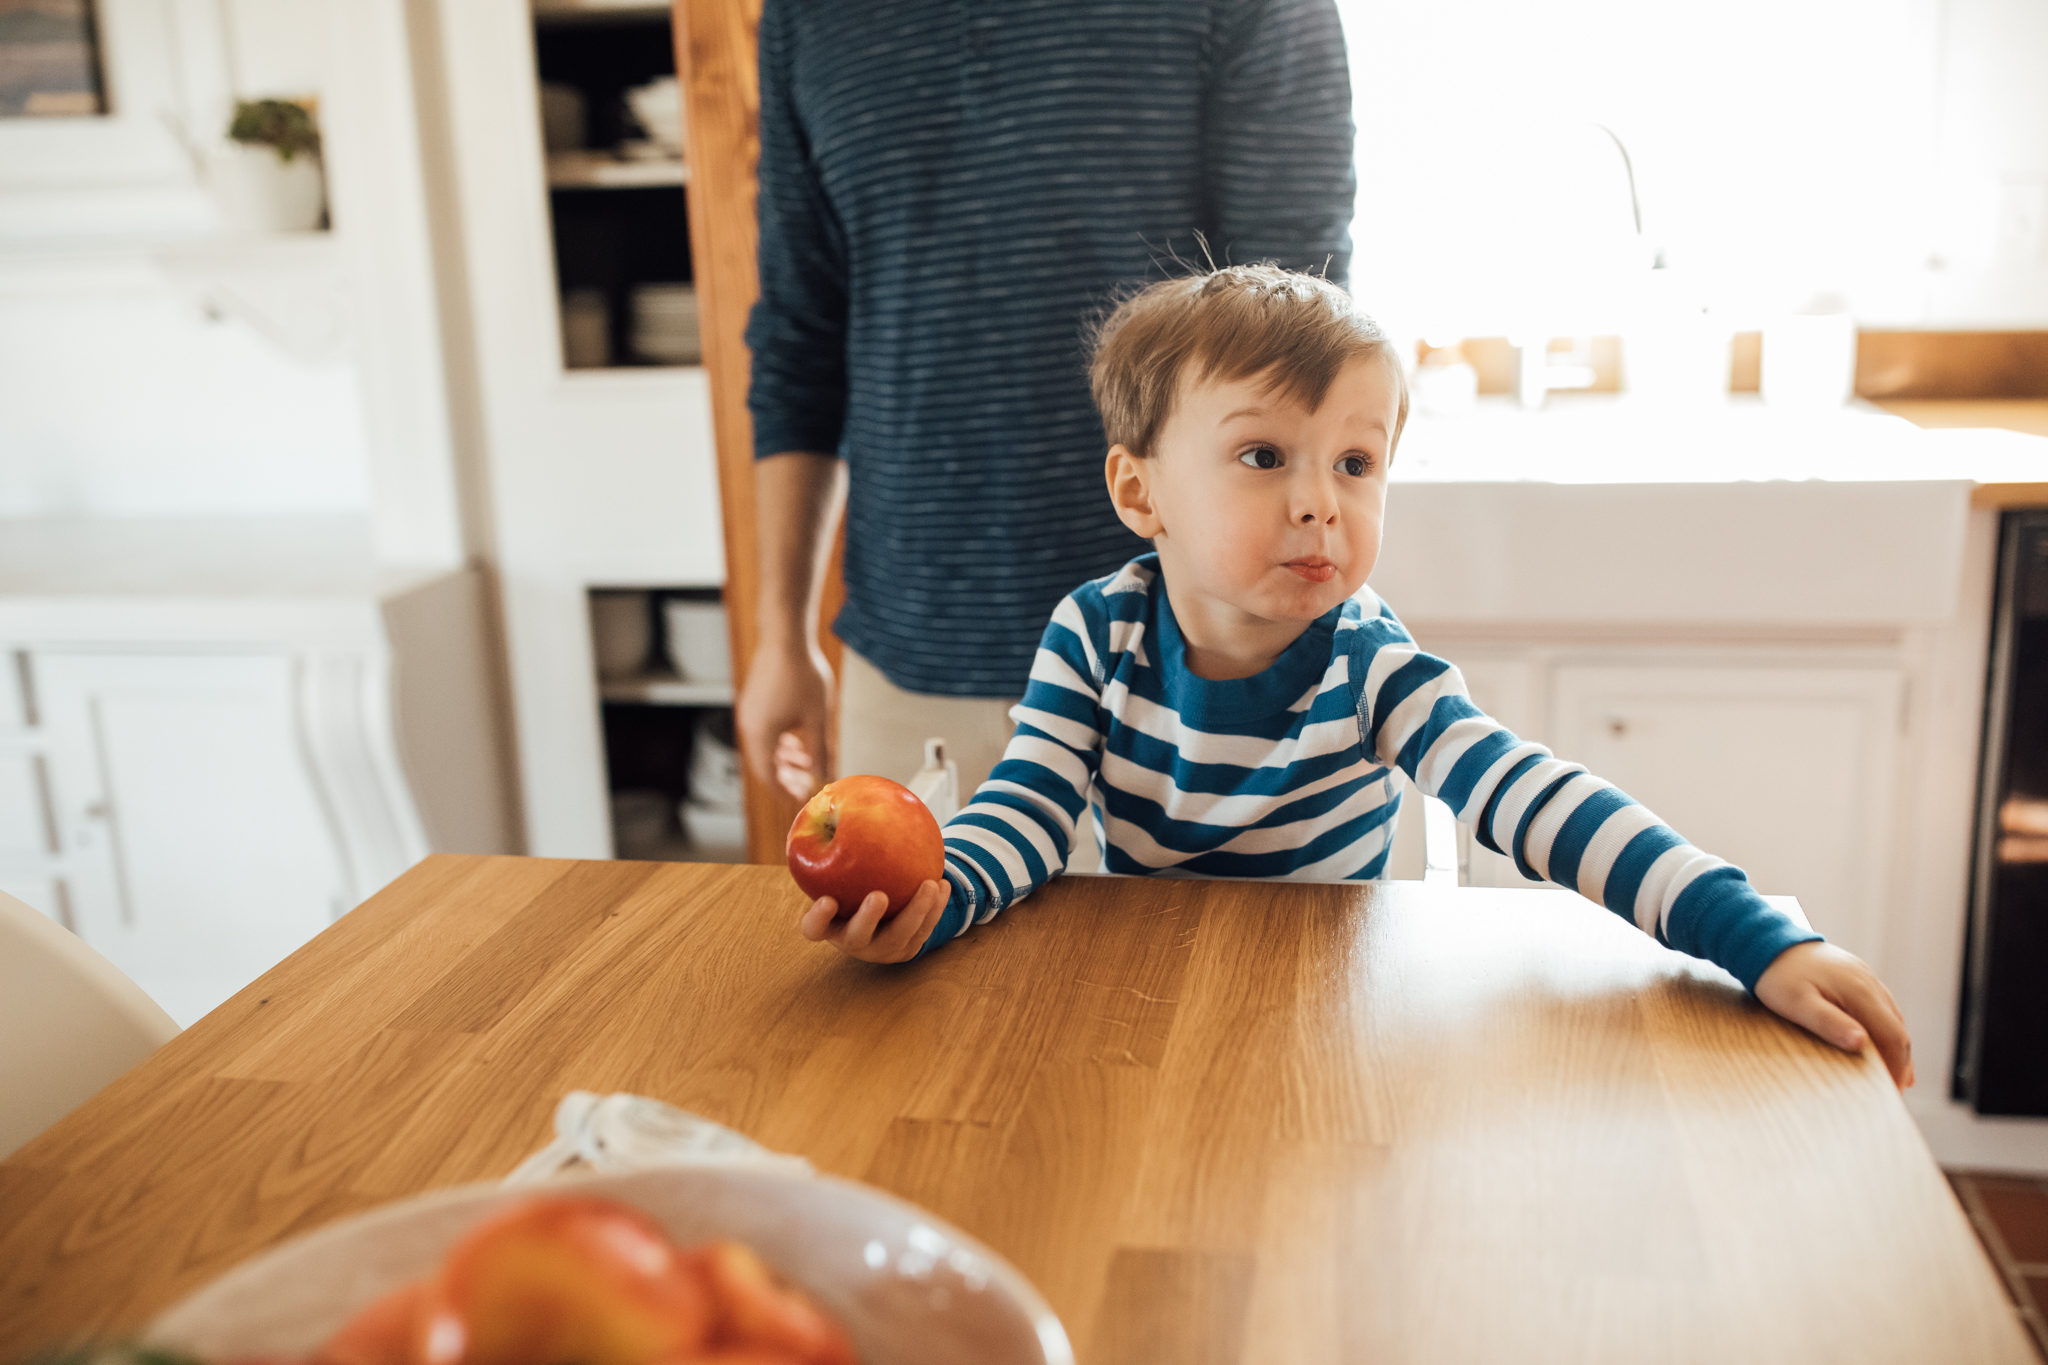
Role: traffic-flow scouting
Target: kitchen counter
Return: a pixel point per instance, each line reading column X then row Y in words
column 1609, row 439
column 1600, row 509
column 2028, row 416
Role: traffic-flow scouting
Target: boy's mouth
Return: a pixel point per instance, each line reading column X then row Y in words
column 1314, row 568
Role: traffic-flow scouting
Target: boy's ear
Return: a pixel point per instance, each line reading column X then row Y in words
column 1130, row 490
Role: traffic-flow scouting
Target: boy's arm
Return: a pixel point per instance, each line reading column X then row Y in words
column 1562, row 824
column 1282, row 182
column 1557, row 821
column 1017, row 832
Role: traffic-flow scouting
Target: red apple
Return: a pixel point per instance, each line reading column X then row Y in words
column 566, row 1279
column 863, row 834
column 758, row 1312
column 387, row 1332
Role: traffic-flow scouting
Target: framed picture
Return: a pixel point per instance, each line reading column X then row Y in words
column 50, row 60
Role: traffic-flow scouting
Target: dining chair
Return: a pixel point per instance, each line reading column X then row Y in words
column 70, row 1022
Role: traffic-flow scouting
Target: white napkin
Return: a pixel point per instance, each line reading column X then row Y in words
column 626, row 1132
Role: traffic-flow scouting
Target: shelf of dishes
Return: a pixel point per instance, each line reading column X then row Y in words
column 662, row 330
column 589, row 170
column 638, row 129
column 662, row 646
column 664, row 672
column 665, row 689
column 572, row 11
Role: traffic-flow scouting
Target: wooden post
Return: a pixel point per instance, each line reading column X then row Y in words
column 716, row 61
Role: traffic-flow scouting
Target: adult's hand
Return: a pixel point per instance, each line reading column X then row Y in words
column 783, row 716
column 784, row 709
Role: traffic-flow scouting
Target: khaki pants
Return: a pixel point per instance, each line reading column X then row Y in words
column 882, row 729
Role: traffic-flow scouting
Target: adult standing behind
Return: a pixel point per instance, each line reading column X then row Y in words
column 949, row 191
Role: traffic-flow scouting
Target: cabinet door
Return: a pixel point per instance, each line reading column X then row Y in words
column 197, row 837
column 28, row 849
column 1785, row 772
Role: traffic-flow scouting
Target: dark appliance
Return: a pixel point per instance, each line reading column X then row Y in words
column 2002, row 1053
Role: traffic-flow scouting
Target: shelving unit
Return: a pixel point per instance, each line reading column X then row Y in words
column 616, row 189
column 602, row 171
column 657, row 723
column 665, row 689
column 597, row 11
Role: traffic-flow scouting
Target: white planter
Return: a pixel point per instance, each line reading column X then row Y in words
column 256, row 192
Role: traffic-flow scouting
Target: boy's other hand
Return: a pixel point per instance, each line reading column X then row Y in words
column 866, row 935
column 1834, row 996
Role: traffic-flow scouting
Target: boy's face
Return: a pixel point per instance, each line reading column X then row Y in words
column 1261, row 510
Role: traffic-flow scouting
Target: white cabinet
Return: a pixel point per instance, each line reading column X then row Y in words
column 217, row 737
column 198, row 848
column 1786, row 762
column 1788, row 772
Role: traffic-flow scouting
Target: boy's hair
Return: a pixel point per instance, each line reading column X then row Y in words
column 1229, row 324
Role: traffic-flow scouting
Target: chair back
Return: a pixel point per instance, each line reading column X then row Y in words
column 70, row 1022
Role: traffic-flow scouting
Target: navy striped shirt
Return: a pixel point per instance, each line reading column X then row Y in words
column 948, row 193
column 1289, row 774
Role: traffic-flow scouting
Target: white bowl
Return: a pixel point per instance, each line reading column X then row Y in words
column 908, row 1288
column 698, row 645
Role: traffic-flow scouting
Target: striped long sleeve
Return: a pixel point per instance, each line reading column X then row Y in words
column 1289, row 775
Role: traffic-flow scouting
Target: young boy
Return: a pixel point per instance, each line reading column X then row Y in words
column 1234, row 701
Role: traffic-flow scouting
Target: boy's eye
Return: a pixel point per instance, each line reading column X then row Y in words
column 1264, row 457
column 1354, row 465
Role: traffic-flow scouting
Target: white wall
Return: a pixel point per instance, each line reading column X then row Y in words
column 1990, row 192
column 119, row 395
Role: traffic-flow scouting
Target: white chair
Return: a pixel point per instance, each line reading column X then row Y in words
column 1439, row 843
column 70, row 1022
column 1426, row 840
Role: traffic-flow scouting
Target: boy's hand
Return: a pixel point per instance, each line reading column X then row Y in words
column 1832, row 995
column 896, row 940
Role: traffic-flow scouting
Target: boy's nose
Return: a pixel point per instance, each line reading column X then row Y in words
column 1312, row 509
column 1314, row 501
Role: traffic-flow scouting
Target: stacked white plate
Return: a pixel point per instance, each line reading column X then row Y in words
column 665, row 324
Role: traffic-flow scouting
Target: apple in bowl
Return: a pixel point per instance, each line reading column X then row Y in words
column 863, row 834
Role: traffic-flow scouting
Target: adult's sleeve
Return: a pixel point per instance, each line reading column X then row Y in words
column 1281, row 180
column 1017, row 833
column 797, row 330
column 1558, row 822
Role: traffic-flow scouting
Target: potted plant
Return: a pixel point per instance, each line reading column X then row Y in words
column 266, row 176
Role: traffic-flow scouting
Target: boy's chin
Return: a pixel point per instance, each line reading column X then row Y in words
column 1301, row 601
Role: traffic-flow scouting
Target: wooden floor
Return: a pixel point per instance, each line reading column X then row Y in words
column 2010, row 1214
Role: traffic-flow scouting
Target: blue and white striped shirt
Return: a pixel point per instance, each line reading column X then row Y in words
column 950, row 190
column 1288, row 774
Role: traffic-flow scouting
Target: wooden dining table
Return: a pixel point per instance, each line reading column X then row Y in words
column 1213, row 1121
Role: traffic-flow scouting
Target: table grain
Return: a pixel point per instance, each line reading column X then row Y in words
column 1213, row 1121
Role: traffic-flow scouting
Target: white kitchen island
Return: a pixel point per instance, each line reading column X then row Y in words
column 218, row 735
column 1769, row 628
